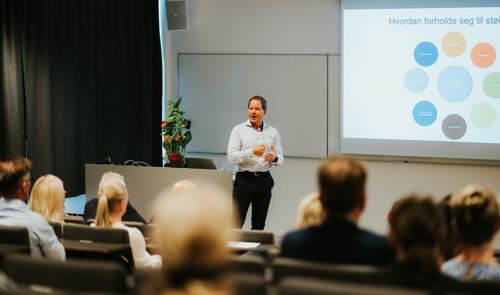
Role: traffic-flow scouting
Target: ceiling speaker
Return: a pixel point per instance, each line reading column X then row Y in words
column 177, row 15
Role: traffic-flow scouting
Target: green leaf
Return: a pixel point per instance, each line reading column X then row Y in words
column 181, row 112
column 170, row 119
column 187, row 139
column 178, row 103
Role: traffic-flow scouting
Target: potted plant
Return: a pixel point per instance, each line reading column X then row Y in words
column 174, row 141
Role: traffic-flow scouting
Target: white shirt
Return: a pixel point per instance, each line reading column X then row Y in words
column 142, row 259
column 43, row 240
column 244, row 138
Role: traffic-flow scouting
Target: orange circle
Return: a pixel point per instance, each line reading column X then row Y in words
column 483, row 55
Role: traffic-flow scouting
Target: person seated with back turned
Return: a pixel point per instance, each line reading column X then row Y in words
column 193, row 236
column 15, row 182
column 416, row 231
column 476, row 218
column 310, row 212
column 47, row 198
column 339, row 239
column 91, row 206
column 113, row 199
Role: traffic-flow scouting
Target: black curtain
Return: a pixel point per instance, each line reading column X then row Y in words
column 90, row 84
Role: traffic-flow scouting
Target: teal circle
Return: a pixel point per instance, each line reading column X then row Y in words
column 424, row 113
column 416, row 80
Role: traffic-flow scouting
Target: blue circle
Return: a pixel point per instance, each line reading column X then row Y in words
column 416, row 80
column 424, row 113
column 454, row 84
column 425, row 54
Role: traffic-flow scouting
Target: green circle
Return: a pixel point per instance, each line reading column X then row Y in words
column 483, row 115
column 491, row 85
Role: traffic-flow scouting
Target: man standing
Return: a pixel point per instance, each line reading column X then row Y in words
column 254, row 146
column 339, row 239
column 15, row 183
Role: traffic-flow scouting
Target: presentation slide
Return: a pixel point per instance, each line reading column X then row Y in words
column 421, row 82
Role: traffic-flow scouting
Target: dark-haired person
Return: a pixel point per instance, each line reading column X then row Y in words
column 15, row 183
column 476, row 217
column 415, row 231
column 339, row 239
column 449, row 245
column 254, row 146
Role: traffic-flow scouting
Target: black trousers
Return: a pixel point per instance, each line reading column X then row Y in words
column 256, row 190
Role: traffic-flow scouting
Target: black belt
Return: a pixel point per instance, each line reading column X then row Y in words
column 256, row 173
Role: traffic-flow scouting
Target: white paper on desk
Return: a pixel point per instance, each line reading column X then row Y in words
column 245, row 245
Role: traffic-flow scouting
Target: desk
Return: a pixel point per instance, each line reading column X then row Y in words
column 6, row 249
column 145, row 184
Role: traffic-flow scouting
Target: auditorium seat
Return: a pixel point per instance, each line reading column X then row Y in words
column 77, row 275
column 249, row 284
column 141, row 226
column 285, row 267
column 248, row 264
column 96, row 234
column 310, row 286
column 255, row 236
column 57, row 228
column 17, row 235
column 244, row 283
column 74, row 219
column 97, row 242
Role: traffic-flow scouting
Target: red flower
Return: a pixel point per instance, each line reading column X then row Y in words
column 163, row 124
column 175, row 158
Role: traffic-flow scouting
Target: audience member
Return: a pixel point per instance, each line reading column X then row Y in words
column 131, row 213
column 415, row 231
column 339, row 239
column 476, row 217
column 194, row 231
column 113, row 199
column 179, row 187
column 449, row 244
column 15, row 182
column 310, row 212
column 47, row 198
column 183, row 186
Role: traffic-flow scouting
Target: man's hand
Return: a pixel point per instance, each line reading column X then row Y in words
column 269, row 157
column 259, row 150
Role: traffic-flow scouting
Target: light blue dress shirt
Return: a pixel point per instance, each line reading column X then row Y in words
column 244, row 138
column 43, row 240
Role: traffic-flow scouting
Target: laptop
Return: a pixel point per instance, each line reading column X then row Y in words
column 200, row 163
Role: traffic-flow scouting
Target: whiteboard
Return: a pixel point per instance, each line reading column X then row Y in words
column 216, row 90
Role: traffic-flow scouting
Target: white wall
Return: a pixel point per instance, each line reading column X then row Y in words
column 304, row 27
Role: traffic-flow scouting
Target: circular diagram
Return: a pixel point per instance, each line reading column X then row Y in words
column 454, row 84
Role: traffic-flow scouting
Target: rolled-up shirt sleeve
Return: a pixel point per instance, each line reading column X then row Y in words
column 278, row 150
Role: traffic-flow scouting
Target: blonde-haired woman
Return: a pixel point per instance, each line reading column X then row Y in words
column 193, row 236
column 112, row 204
column 47, row 198
column 476, row 218
column 310, row 211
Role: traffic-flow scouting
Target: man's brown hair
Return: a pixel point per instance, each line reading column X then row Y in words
column 342, row 184
column 12, row 173
column 262, row 100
